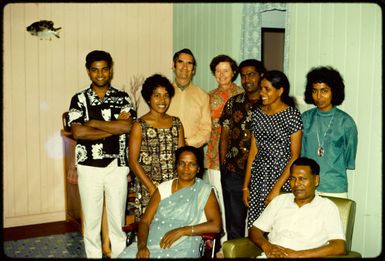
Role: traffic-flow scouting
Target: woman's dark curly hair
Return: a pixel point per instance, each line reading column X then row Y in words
column 153, row 82
column 224, row 58
column 328, row 76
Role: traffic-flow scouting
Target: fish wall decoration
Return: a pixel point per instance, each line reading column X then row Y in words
column 43, row 29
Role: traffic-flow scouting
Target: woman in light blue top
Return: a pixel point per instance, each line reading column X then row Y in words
column 179, row 212
column 329, row 134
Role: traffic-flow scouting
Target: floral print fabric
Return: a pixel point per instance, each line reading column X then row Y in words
column 157, row 157
column 218, row 99
column 86, row 106
column 236, row 117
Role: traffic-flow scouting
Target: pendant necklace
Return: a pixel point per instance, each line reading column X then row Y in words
column 321, row 150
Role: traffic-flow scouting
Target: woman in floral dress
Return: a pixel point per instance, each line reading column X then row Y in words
column 154, row 138
column 225, row 71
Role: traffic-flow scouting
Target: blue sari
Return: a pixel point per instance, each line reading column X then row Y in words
column 182, row 208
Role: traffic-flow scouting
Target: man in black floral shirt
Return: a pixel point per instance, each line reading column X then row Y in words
column 235, row 143
column 100, row 118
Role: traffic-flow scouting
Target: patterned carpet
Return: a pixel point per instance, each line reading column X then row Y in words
column 69, row 245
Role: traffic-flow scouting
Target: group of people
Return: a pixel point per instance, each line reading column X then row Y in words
column 254, row 136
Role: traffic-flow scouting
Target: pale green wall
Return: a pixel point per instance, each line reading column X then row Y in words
column 346, row 36
column 208, row 30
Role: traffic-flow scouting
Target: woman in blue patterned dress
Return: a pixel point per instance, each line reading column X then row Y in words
column 276, row 128
column 154, row 138
column 179, row 212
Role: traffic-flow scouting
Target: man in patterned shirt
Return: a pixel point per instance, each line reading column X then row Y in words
column 234, row 146
column 100, row 118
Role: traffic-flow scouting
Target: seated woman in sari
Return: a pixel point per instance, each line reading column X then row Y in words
column 179, row 212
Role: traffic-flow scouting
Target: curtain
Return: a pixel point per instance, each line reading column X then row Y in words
column 251, row 28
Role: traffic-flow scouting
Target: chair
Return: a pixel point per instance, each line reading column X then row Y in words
column 65, row 118
column 211, row 242
column 210, row 245
column 244, row 247
column 131, row 224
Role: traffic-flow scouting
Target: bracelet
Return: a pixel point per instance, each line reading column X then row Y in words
column 192, row 230
column 245, row 189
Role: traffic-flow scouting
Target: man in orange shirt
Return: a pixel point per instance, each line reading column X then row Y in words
column 190, row 103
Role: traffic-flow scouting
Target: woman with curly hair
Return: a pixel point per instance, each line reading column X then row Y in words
column 154, row 138
column 330, row 134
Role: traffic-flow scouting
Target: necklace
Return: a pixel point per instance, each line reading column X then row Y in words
column 321, row 149
column 177, row 187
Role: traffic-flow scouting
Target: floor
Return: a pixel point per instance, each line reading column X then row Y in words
column 46, row 229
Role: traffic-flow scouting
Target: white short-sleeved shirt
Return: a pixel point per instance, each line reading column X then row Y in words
column 300, row 228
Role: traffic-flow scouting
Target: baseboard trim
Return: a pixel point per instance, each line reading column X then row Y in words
column 34, row 219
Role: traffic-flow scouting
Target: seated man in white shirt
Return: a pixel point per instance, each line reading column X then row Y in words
column 300, row 224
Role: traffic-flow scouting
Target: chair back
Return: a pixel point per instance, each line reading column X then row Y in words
column 64, row 117
column 347, row 209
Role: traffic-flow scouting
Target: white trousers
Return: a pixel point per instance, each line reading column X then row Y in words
column 214, row 178
column 93, row 182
